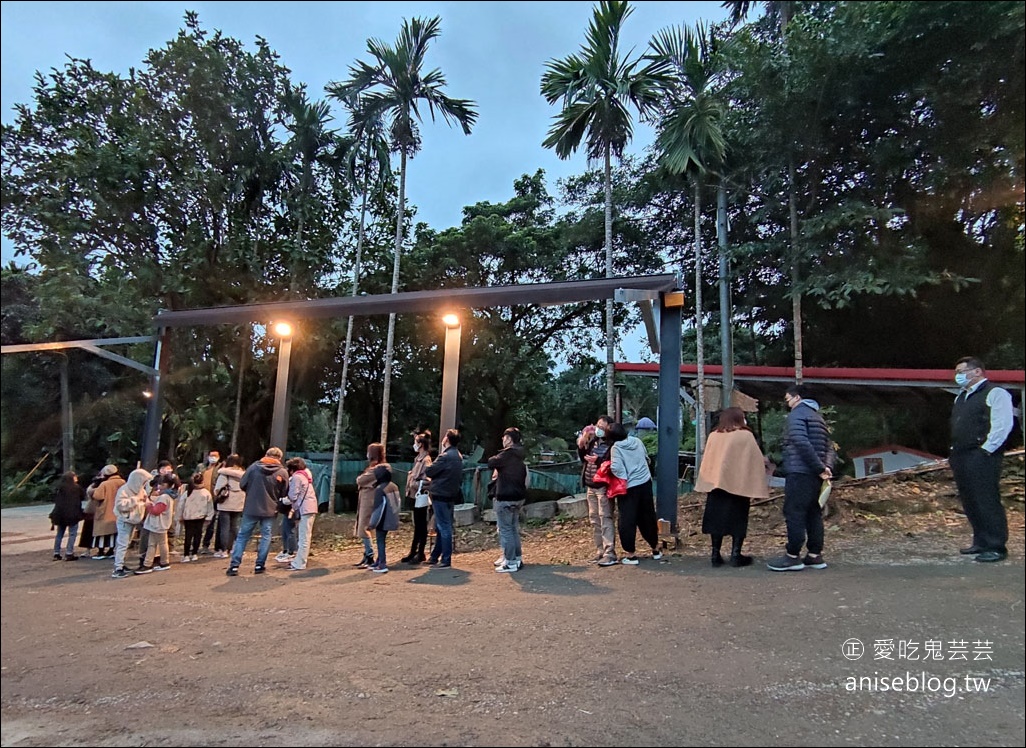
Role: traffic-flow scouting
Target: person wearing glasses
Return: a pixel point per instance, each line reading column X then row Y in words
column 809, row 458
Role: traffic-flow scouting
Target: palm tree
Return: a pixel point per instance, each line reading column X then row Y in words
column 596, row 85
column 369, row 163
column 309, row 140
column 690, row 141
column 393, row 87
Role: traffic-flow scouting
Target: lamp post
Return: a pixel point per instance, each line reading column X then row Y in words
column 280, row 418
column 450, row 372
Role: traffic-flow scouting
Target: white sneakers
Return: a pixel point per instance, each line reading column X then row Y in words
column 508, row 568
column 284, row 558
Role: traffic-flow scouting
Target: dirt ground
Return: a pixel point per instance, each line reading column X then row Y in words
column 672, row 652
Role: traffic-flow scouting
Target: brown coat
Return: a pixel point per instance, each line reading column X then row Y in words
column 365, row 499
column 105, row 522
column 733, row 463
column 416, row 474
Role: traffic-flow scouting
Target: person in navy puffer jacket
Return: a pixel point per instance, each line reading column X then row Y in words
column 808, row 461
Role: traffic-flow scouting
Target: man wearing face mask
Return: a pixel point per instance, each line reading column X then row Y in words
column 593, row 451
column 981, row 420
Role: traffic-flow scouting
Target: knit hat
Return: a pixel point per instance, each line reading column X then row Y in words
column 109, row 470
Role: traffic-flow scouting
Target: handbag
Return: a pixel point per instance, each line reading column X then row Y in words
column 421, row 498
column 615, row 486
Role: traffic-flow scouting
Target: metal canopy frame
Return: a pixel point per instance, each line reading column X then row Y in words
column 841, row 385
column 643, row 289
column 92, row 345
column 564, row 292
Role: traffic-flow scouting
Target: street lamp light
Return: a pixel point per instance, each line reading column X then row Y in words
column 450, row 372
column 280, row 418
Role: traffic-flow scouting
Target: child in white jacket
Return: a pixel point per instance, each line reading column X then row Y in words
column 159, row 514
column 194, row 509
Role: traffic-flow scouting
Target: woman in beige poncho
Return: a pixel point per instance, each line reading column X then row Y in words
column 733, row 472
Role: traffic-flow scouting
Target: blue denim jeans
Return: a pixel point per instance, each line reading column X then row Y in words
column 249, row 524
column 289, row 536
column 443, row 532
column 72, row 531
column 507, row 519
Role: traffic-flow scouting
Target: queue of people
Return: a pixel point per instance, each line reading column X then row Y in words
column 616, row 476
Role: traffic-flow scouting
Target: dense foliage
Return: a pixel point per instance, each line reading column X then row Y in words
column 873, row 158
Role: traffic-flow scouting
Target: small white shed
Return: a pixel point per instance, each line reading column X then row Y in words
column 888, row 458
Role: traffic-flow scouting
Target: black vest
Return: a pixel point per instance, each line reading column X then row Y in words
column 970, row 419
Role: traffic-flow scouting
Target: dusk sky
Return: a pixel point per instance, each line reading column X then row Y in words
column 493, row 53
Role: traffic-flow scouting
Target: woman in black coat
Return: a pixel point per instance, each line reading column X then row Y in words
column 66, row 514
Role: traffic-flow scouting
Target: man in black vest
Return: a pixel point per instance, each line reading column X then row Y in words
column 980, row 422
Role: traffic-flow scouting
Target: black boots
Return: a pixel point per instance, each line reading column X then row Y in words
column 414, row 557
column 717, row 543
column 366, row 561
column 736, row 557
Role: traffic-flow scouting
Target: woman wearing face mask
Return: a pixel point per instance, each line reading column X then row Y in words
column 593, row 449
column 365, row 483
column 421, row 461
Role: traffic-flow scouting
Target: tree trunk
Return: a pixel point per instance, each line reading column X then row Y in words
column 699, row 340
column 610, row 332
column 726, row 311
column 796, row 297
column 241, row 375
column 786, row 13
column 389, row 344
column 67, row 424
column 301, row 211
column 343, row 385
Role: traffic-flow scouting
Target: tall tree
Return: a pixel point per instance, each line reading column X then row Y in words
column 395, row 86
column 690, row 141
column 309, row 143
column 370, row 166
column 779, row 13
column 596, row 86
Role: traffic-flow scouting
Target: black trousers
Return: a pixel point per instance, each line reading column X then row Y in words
column 193, row 531
column 802, row 513
column 637, row 514
column 420, row 529
column 977, row 475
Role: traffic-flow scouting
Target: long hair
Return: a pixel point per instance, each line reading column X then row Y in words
column 375, row 453
column 731, row 419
